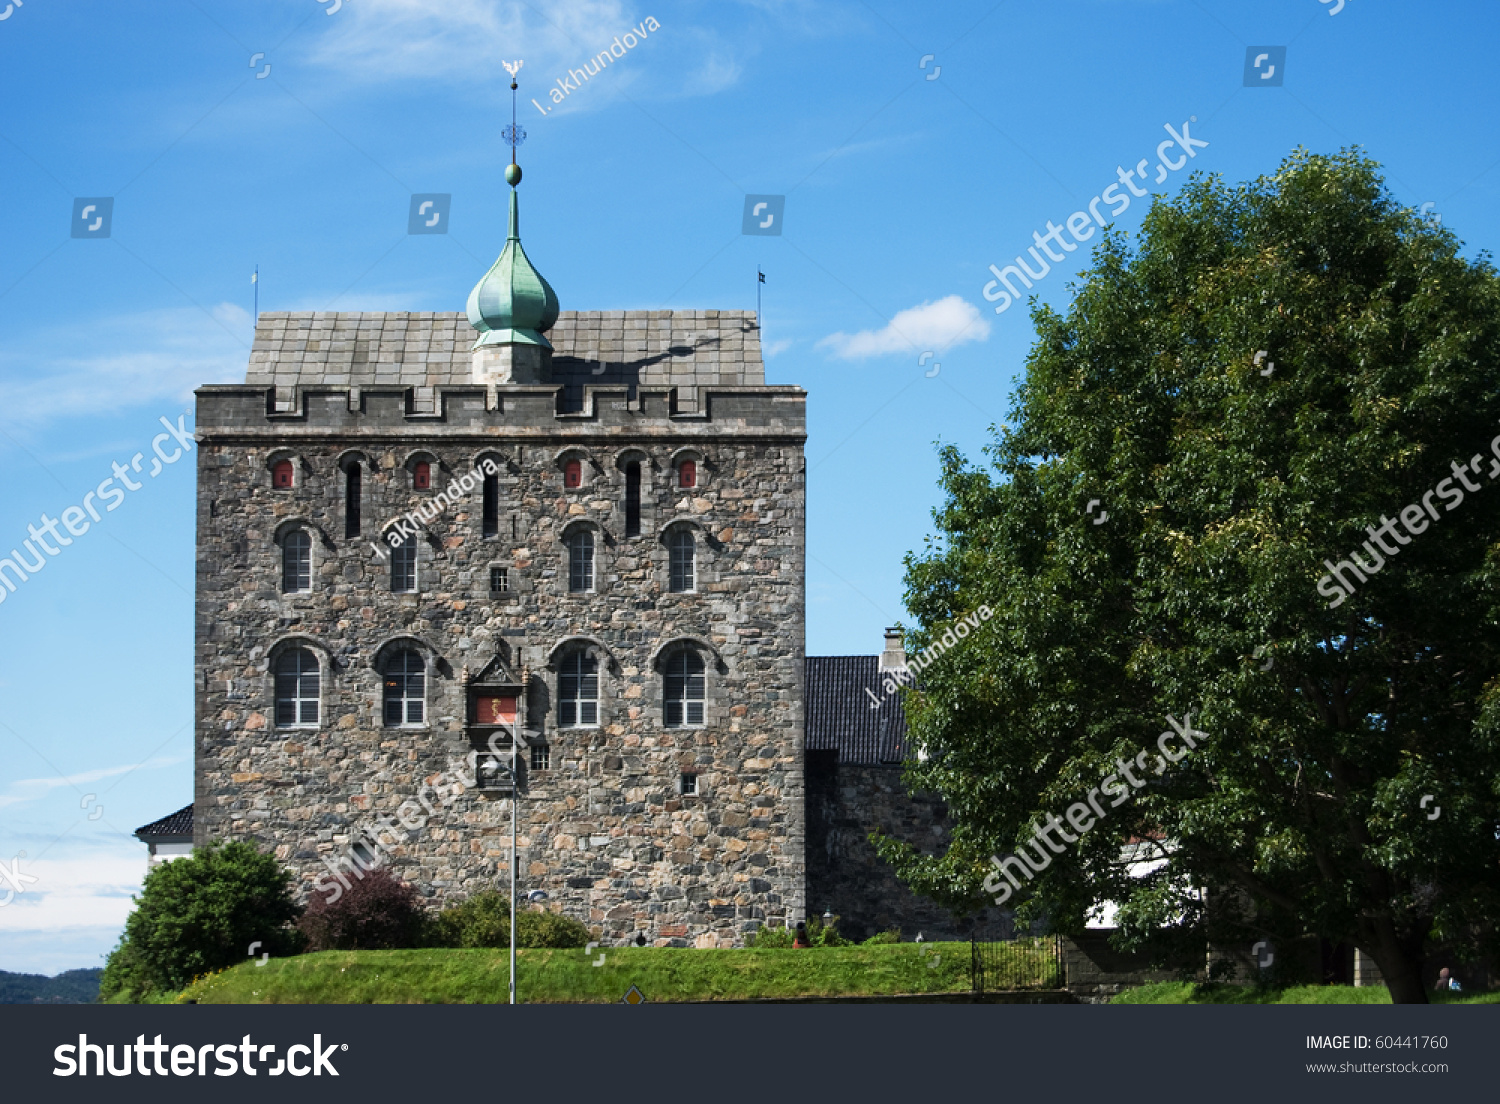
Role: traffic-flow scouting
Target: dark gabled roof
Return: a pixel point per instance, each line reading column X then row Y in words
column 179, row 823
column 839, row 715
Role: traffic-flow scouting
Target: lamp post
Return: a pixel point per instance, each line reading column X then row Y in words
column 515, row 795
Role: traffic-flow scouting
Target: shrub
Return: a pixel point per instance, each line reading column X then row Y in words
column 378, row 912
column 880, row 938
column 817, row 935
column 199, row 914
column 484, row 921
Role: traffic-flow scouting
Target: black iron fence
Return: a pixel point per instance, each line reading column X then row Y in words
column 1022, row 962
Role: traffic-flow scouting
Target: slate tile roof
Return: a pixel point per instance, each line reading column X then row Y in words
column 656, row 348
column 839, row 716
column 179, row 823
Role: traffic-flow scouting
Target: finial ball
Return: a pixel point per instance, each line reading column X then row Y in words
column 513, row 174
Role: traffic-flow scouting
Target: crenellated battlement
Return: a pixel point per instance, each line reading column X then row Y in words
column 246, row 412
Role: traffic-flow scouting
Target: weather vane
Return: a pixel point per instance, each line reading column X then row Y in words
column 514, row 135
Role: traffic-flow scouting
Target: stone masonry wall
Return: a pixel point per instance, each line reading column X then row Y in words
column 845, row 875
column 604, row 830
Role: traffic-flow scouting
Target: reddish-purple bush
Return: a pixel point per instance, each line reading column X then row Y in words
column 378, row 912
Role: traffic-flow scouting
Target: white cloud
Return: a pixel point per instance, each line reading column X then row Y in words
column 158, row 356
column 949, row 321
column 32, row 789
column 714, row 74
column 465, row 39
column 90, row 889
column 772, row 348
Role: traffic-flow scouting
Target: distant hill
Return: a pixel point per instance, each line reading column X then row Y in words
column 68, row 987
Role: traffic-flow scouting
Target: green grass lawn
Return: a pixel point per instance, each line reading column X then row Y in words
column 1186, row 992
column 661, row 973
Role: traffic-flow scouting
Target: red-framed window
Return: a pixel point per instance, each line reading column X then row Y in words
column 421, row 476
column 687, row 473
column 573, row 473
column 281, row 474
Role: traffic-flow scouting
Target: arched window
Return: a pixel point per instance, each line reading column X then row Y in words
column 578, row 691
column 421, row 476
column 687, row 473
column 352, row 486
column 492, row 505
column 297, row 685
column 281, row 474
column 682, row 551
column 684, row 688
column 573, row 473
column 405, row 678
column 633, row 499
column 404, row 566
column 581, row 561
column 296, row 562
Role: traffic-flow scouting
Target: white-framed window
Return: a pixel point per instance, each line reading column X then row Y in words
column 578, row 691
column 405, row 688
column 581, row 561
column 298, row 686
column 687, row 784
column 404, row 566
column 684, row 687
column 682, row 556
column 499, row 580
column 541, row 757
column 296, row 562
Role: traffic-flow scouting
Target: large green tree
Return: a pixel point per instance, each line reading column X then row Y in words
column 199, row 914
column 1275, row 368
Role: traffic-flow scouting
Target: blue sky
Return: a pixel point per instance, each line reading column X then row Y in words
column 900, row 192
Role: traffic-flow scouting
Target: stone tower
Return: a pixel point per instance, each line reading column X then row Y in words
column 561, row 566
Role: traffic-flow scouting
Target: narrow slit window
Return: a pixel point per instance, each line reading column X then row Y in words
column 353, row 485
column 492, row 505
column 633, row 499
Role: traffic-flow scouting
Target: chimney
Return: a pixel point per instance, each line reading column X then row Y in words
column 894, row 656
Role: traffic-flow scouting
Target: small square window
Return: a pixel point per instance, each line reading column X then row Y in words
column 689, row 786
column 499, row 580
column 541, row 757
column 421, row 476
